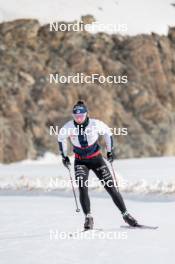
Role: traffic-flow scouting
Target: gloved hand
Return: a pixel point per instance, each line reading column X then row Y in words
column 110, row 157
column 66, row 161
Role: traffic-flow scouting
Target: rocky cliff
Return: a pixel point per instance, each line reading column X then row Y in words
column 29, row 104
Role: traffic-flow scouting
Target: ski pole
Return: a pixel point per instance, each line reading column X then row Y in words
column 114, row 176
column 73, row 190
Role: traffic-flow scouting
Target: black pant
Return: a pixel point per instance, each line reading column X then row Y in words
column 99, row 167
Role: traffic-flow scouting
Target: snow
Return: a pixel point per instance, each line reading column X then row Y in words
column 31, row 229
column 140, row 16
column 37, row 219
column 153, row 178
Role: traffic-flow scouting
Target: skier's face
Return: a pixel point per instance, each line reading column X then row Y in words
column 79, row 118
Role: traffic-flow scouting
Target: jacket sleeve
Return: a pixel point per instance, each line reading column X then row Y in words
column 104, row 130
column 62, row 140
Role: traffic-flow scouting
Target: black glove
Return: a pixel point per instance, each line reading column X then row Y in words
column 110, row 157
column 66, row 161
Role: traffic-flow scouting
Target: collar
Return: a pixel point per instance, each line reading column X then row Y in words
column 84, row 125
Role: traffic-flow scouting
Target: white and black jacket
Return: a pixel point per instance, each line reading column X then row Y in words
column 84, row 138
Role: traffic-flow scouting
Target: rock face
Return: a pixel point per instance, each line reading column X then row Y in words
column 29, row 104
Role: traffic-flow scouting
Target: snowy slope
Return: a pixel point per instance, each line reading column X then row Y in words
column 153, row 177
column 140, row 16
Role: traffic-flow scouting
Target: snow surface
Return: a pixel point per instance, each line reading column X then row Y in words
column 31, row 229
column 36, row 228
column 140, row 16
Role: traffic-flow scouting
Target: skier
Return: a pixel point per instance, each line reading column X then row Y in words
column 83, row 133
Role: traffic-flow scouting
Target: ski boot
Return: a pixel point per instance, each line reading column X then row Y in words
column 89, row 222
column 129, row 219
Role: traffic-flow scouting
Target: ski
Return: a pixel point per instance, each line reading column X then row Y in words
column 138, row 226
